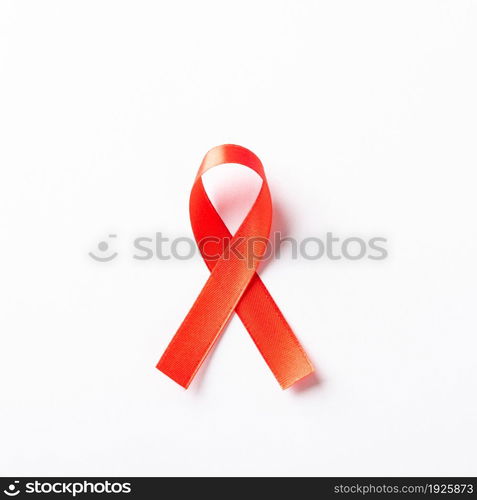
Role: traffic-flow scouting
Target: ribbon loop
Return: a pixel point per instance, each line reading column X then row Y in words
column 233, row 284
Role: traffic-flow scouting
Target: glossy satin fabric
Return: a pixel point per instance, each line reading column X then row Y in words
column 233, row 285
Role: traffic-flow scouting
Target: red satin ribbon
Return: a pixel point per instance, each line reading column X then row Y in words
column 233, row 285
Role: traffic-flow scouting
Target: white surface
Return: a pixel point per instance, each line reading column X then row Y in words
column 364, row 114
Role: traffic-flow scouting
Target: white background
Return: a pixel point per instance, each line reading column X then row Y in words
column 364, row 115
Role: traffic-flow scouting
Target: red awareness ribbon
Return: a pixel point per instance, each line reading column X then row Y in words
column 233, row 284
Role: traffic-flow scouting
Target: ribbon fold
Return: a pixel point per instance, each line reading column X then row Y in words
column 233, row 285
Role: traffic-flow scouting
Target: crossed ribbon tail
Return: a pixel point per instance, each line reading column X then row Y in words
column 233, row 285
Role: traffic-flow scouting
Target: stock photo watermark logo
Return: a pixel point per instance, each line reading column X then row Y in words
column 13, row 489
column 103, row 251
column 312, row 248
column 68, row 488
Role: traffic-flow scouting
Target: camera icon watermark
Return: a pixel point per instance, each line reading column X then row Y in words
column 13, row 489
column 104, row 247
